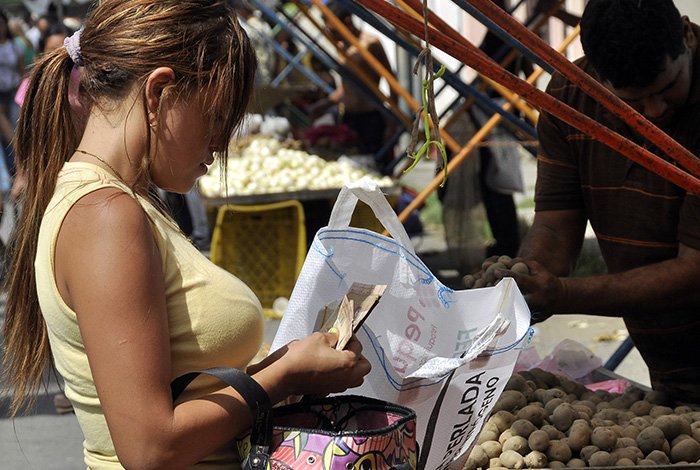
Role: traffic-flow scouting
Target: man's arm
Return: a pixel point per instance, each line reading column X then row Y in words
column 657, row 287
column 555, row 240
column 549, row 252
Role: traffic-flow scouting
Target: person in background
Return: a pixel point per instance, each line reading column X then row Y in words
column 648, row 229
column 499, row 164
column 357, row 112
column 16, row 27
column 11, row 71
column 53, row 38
column 40, row 26
column 102, row 284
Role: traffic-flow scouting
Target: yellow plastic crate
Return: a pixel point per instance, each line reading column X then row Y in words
column 263, row 245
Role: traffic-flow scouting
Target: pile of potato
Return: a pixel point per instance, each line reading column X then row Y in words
column 543, row 420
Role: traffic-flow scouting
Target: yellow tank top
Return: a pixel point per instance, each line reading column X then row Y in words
column 214, row 319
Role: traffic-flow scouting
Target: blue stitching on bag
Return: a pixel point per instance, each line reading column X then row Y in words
column 427, row 272
column 326, row 260
column 384, row 239
column 418, row 264
column 442, row 298
column 379, row 351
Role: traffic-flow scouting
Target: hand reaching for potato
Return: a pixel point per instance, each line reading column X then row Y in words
column 540, row 288
column 494, row 269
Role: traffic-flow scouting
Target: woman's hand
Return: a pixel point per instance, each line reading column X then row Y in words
column 312, row 365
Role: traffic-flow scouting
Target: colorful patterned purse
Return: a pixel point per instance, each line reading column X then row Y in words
column 335, row 433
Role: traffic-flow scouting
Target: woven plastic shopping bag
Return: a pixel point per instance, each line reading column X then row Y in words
column 445, row 354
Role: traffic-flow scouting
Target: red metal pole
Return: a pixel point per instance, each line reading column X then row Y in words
column 590, row 86
column 466, row 52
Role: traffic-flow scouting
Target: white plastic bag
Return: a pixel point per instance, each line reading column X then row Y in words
column 446, row 354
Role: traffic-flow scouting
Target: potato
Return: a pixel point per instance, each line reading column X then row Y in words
column 492, row 448
column 506, row 260
column 631, row 453
column 646, row 463
column 495, row 463
column 603, row 438
column 687, row 450
column 659, row 410
column 587, row 403
column 623, row 442
column 624, row 462
column 563, row 416
column 569, row 386
column 533, row 413
column 468, row 281
column 487, row 435
column 583, row 411
column 502, row 419
column 671, row 425
column 679, row 438
column 556, row 464
column 617, row 429
column 553, row 432
column 522, row 427
column 520, row 268
column 516, row 443
column 516, row 382
column 601, row 423
column 587, row 451
column 538, row 440
column 576, row 463
column 535, row 459
column 591, row 396
column 512, row 459
column 479, row 283
column 579, row 435
column 610, row 414
column 683, row 409
column 477, row 458
column 510, row 400
column 601, row 459
column 552, row 404
column 546, row 377
column 559, row 451
column 659, row 457
column 505, row 435
column 657, row 398
column 630, row 431
column 551, row 394
column 640, row 423
column 490, row 275
column 641, row 407
column 621, row 403
column 650, row 439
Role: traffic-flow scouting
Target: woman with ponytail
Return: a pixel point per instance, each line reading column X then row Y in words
column 102, row 285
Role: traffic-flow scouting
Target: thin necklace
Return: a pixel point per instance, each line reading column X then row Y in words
column 116, row 173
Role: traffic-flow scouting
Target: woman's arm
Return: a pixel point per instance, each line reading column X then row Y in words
column 108, row 270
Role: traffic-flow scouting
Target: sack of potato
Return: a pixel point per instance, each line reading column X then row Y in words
column 543, row 420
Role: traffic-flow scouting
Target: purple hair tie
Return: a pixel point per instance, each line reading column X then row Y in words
column 72, row 45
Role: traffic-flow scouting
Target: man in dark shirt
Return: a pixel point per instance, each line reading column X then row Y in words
column 648, row 229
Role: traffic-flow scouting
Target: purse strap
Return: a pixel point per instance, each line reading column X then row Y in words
column 255, row 397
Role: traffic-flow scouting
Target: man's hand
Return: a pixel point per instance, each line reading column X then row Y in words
column 541, row 289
